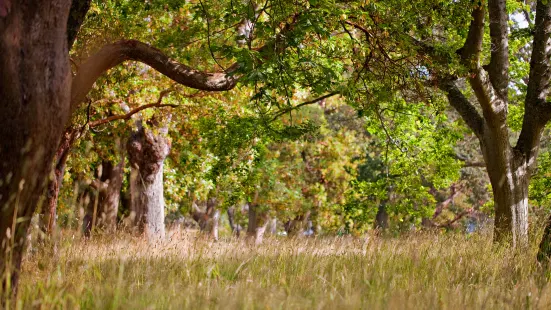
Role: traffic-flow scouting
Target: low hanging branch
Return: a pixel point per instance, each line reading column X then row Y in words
column 116, row 53
column 128, row 115
column 455, row 219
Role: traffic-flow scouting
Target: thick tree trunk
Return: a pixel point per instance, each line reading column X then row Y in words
column 109, row 199
column 34, row 108
column 258, row 221
column 147, row 152
column 509, row 175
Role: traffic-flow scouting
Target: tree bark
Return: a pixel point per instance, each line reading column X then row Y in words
column 147, row 152
column 103, row 214
column 258, row 221
column 34, row 108
column 49, row 210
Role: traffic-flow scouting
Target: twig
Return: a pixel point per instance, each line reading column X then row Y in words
column 303, row 104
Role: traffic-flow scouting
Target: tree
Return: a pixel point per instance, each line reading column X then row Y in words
column 147, row 150
column 34, row 107
column 37, row 97
column 448, row 46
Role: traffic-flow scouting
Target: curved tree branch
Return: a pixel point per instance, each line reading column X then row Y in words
column 113, row 54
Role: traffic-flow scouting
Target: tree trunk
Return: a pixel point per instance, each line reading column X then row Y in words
column 272, row 226
column 109, row 199
column 509, row 176
column 103, row 214
column 381, row 219
column 49, row 210
column 209, row 220
column 297, row 225
column 34, row 108
column 258, row 221
column 147, row 152
column 544, row 253
column 235, row 227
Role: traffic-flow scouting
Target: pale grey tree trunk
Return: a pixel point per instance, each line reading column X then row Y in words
column 147, row 151
column 272, row 226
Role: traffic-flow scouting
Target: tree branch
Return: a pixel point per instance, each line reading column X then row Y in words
column 463, row 106
column 441, row 206
column 280, row 113
column 470, row 52
column 537, row 109
column 478, row 79
column 113, row 54
column 134, row 111
column 498, row 69
column 457, row 218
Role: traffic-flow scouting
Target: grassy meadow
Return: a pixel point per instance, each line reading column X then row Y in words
column 416, row 271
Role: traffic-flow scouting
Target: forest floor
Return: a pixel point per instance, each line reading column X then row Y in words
column 417, row 271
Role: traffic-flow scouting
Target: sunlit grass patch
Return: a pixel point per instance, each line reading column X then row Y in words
column 420, row 270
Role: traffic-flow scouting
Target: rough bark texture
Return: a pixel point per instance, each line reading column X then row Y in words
column 34, row 108
column 79, row 8
column 147, row 151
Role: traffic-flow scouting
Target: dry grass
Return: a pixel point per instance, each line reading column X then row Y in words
column 426, row 271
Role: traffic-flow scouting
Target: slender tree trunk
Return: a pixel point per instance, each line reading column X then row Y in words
column 49, row 211
column 235, row 227
column 272, row 226
column 147, row 152
column 544, row 253
column 34, row 108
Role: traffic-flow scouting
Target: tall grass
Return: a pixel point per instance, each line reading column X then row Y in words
column 417, row 271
